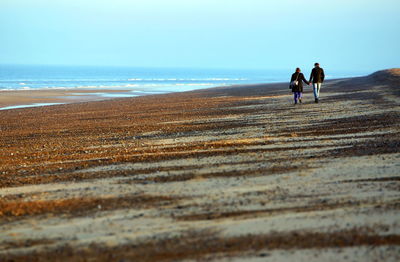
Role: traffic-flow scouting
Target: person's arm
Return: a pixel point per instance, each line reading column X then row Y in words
column 311, row 75
column 304, row 79
column 322, row 75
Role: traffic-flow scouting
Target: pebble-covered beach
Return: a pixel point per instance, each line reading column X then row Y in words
column 224, row 174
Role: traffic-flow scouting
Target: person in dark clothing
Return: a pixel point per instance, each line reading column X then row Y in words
column 317, row 78
column 296, row 84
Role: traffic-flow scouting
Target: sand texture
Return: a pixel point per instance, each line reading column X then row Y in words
column 226, row 174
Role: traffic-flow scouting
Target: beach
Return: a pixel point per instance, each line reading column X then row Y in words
column 41, row 97
column 235, row 173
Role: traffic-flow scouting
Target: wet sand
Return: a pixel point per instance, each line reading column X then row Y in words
column 225, row 174
column 25, row 98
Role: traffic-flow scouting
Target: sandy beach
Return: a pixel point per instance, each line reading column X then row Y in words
column 31, row 98
column 234, row 173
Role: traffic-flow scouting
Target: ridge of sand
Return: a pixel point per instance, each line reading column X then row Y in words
column 389, row 75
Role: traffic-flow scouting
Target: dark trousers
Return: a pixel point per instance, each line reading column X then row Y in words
column 297, row 96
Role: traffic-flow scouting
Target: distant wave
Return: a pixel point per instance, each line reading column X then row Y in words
column 199, row 84
column 122, row 86
column 187, row 79
column 22, row 81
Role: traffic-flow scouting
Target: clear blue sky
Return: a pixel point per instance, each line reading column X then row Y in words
column 340, row 34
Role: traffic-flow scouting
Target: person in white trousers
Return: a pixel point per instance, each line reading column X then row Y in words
column 317, row 78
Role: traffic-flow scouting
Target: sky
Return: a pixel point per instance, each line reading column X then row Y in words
column 244, row 34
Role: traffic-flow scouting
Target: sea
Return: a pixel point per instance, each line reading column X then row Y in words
column 137, row 80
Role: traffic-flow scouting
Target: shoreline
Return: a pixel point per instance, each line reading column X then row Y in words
column 15, row 99
column 27, row 98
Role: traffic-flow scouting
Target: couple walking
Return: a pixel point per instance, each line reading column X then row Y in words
column 296, row 82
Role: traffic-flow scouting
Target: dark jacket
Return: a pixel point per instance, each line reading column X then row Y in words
column 317, row 75
column 300, row 78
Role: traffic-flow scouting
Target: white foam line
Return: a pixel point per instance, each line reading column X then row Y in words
column 30, row 105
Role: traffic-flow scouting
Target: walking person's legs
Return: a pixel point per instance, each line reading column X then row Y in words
column 316, row 89
column 296, row 96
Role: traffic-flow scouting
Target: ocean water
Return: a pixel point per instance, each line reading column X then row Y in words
column 135, row 80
